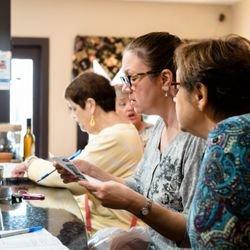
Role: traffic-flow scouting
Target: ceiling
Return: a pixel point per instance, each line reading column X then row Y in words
column 225, row 2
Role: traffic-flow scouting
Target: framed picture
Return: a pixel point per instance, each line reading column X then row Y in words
column 107, row 50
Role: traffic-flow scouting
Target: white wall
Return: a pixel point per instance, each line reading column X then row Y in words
column 62, row 20
column 241, row 18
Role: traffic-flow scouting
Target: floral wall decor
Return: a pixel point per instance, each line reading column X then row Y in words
column 107, row 50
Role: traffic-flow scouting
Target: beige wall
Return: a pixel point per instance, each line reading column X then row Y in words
column 62, row 20
column 241, row 18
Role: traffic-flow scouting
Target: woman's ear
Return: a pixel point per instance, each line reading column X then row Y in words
column 90, row 105
column 167, row 78
column 201, row 96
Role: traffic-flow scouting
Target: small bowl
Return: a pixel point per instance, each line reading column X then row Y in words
column 5, row 156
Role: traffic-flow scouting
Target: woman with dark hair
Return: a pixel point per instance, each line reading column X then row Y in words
column 213, row 102
column 210, row 74
column 114, row 146
column 166, row 176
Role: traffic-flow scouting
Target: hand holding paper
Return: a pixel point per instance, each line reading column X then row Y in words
column 111, row 193
column 94, row 171
column 69, row 172
column 66, row 176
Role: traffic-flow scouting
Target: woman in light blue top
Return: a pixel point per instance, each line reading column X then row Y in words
column 167, row 174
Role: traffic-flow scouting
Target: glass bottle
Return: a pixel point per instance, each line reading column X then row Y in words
column 28, row 141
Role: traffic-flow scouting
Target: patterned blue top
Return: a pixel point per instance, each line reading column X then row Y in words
column 220, row 211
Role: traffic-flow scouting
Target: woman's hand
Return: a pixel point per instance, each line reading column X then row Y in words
column 111, row 194
column 82, row 165
column 19, row 170
column 85, row 167
column 66, row 176
column 94, row 171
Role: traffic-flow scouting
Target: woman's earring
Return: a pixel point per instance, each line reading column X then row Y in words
column 92, row 121
column 166, row 89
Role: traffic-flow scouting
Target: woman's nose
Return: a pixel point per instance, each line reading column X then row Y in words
column 126, row 89
column 129, row 106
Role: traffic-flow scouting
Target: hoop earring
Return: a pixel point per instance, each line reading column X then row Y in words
column 92, row 121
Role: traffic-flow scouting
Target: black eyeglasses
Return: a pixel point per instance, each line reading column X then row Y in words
column 129, row 80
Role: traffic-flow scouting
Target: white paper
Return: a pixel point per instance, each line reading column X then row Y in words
column 40, row 240
column 70, row 167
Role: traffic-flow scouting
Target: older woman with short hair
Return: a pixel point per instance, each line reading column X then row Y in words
column 213, row 102
column 115, row 147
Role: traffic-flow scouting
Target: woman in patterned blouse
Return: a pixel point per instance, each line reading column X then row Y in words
column 213, row 102
column 167, row 174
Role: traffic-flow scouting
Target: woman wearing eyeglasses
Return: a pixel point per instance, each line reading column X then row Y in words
column 168, row 172
column 214, row 91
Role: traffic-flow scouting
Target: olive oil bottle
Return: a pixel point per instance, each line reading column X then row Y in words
column 28, row 141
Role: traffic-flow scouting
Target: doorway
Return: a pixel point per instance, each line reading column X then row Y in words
column 30, row 61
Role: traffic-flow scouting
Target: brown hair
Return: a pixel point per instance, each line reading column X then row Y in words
column 223, row 66
column 156, row 49
column 91, row 85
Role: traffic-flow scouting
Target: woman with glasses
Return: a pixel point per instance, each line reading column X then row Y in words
column 167, row 174
column 211, row 74
column 213, row 102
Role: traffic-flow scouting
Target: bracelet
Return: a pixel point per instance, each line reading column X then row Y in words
column 146, row 209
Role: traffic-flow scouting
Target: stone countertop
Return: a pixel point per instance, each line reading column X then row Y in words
column 58, row 212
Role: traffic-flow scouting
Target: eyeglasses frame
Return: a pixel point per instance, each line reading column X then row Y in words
column 127, row 78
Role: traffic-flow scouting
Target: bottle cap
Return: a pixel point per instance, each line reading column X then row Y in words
column 29, row 122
